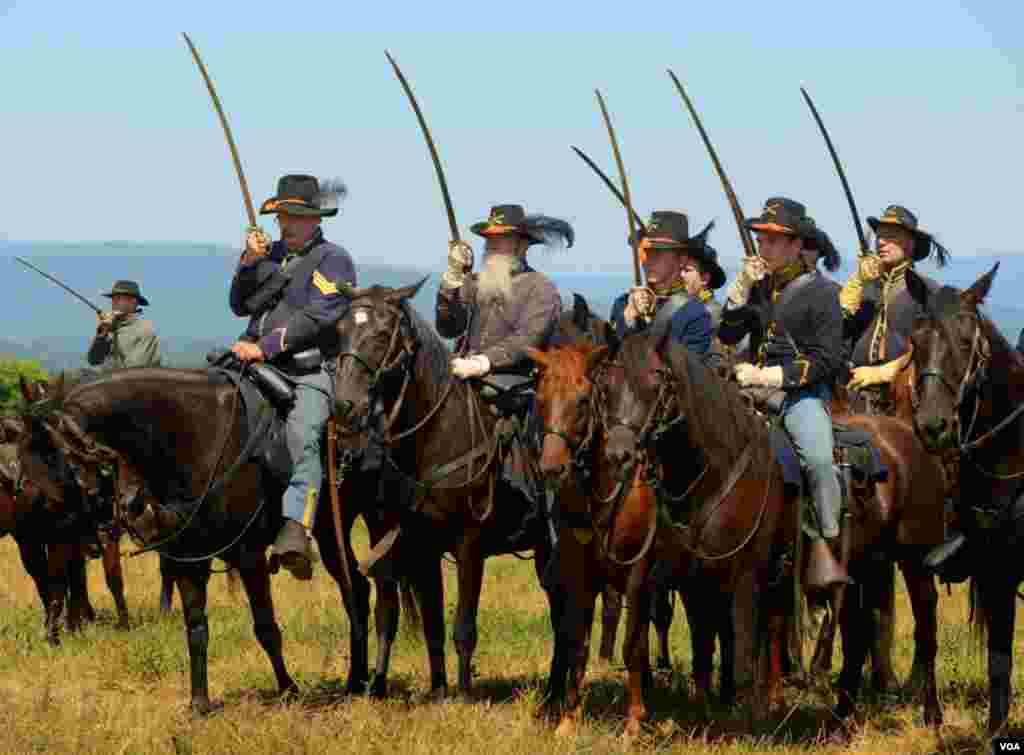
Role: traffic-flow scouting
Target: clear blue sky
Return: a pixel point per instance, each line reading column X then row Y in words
column 108, row 132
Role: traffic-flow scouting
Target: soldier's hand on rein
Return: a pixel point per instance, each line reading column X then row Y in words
column 864, row 377
column 248, row 352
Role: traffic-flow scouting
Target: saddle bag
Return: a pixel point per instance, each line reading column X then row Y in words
column 273, row 385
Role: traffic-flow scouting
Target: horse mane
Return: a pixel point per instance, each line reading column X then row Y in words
column 433, row 357
column 717, row 417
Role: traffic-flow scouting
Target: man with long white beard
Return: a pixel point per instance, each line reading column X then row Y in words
column 507, row 306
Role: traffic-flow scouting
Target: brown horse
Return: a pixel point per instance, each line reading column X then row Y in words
column 968, row 405
column 603, row 514
column 397, row 399
column 188, row 482
column 895, row 519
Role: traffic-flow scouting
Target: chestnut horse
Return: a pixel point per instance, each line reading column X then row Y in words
column 968, row 404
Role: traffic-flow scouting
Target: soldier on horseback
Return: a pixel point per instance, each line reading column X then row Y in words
column 293, row 291
column 794, row 320
column 123, row 338
column 878, row 310
column 682, row 272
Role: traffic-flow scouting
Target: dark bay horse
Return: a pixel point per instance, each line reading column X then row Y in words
column 186, row 481
column 968, row 405
column 892, row 520
column 395, row 393
column 608, row 534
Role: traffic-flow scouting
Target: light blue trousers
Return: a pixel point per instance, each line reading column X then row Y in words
column 809, row 425
column 314, row 397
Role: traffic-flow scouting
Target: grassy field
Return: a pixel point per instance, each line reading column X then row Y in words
column 106, row 691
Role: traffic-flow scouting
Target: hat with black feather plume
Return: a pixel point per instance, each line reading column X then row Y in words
column 304, row 195
column 511, row 219
column 924, row 243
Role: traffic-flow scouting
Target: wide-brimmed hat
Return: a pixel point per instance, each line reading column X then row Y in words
column 127, row 288
column 782, row 215
column 303, row 195
column 670, row 231
column 924, row 243
column 512, row 219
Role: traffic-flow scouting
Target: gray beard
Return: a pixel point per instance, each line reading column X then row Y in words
column 495, row 280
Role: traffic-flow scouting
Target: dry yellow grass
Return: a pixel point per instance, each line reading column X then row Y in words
column 106, row 691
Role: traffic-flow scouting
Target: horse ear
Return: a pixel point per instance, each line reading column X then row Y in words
column 580, row 312
column 917, row 288
column 27, row 392
column 407, row 292
column 595, row 357
column 537, row 356
column 976, row 294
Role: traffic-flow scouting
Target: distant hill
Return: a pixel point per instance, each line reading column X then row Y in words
column 187, row 285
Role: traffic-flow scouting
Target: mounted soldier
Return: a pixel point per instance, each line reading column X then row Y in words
column 294, row 291
column 878, row 310
column 681, row 273
column 123, row 338
column 793, row 318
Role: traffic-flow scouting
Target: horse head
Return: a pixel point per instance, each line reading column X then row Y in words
column 565, row 404
column 379, row 345
column 951, row 350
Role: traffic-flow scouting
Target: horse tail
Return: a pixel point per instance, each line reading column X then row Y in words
column 978, row 615
column 410, row 608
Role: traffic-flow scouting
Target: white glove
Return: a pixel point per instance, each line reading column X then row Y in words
column 460, row 263
column 752, row 271
column 257, row 245
column 470, row 367
column 639, row 303
column 769, row 377
column 104, row 322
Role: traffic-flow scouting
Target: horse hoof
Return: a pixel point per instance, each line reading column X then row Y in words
column 566, row 727
column 355, row 686
column 123, row 624
column 437, row 695
column 378, row 689
column 933, row 718
column 201, row 706
column 631, row 733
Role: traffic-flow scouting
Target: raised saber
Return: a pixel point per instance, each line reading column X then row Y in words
column 633, row 240
column 246, row 196
column 452, row 224
column 67, row 288
column 841, row 172
column 737, row 211
column 611, row 187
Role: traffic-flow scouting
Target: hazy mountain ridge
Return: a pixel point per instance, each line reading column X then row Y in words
column 188, row 284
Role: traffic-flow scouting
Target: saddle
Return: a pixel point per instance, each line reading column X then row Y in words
column 853, row 449
column 508, row 393
column 267, row 394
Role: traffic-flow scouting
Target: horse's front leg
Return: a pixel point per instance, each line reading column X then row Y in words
column 166, row 585
column 664, row 597
column 636, row 646
column 428, row 585
column 611, row 613
column 883, row 677
column 471, row 573
column 924, row 600
column 192, row 582
column 256, row 578
column 59, row 557
column 999, row 607
column 115, row 578
column 33, row 557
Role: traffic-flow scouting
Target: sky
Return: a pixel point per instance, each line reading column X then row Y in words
column 109, row 134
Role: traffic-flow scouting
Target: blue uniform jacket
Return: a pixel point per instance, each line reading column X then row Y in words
column 303, row 316
column 691, row 323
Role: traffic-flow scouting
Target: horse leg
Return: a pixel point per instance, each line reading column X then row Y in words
column 58, row 558
column 428, row 586
column 115, row 578
column 192, row 582
column 385, row 618
column 745, row 637
column 166, row 585
column 855, row 625
column 702, row 642
column 80, row 608
column 33, row 557
column 636, row 650
column 256, row 579
column 998, row 601
column 924, row 600
column 357, row 606
column 662, row 616
column 554, row 692
column 824, row 648
column 471, row 573
column 611, row 612
column 883, row 677
column 726, row 649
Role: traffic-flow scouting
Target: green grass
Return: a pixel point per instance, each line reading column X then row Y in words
column 108, row 691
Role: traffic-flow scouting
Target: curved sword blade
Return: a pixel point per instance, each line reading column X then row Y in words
column 840, row 171
column 638, row 280
column 67, row 288
column 246, row 197
column 737, row 211
column 611, row 187
column 452, row 224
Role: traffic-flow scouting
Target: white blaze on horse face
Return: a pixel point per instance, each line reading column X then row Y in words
column 361, row 317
